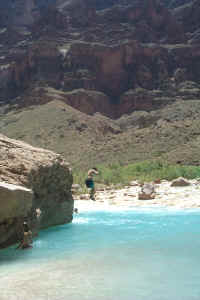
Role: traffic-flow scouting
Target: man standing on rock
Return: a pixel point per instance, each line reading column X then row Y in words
column 90, row 182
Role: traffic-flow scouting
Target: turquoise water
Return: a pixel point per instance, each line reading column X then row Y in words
column 118, row 255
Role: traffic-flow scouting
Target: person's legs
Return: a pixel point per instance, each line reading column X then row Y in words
column 90, row 185
column 92, row 193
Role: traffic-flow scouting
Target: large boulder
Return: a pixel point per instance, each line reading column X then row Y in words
column 46, row 173
column 15, row 200
column 15, row 203
column 147, row 192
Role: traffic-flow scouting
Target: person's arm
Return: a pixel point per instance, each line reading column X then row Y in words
column 95, row 172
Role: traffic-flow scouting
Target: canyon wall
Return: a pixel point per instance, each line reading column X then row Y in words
column 105, row 49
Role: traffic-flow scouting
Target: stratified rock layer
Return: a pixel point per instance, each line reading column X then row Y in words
column 108, row 47
column 49, row 176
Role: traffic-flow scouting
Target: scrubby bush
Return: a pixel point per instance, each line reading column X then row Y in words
column 143, row 171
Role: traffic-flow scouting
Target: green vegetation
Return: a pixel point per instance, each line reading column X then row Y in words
column 143, row 171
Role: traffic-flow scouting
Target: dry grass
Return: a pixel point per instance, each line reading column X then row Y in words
column 171, row 134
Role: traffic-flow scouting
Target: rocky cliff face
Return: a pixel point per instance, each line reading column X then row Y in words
column 49, row 177
column 22, row 12
column 188, row 15
column 102, row 47
column 175, row 3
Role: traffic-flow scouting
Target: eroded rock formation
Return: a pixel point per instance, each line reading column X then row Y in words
column 112, row 47
column 49, row 177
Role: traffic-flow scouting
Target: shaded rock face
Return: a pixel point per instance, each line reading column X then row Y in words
column 89, row 101
column 19, row 12
column 22, row 12
column 119, row 69
column 105, row 73
column 189, row 16
column 49, row 177
column 52, row 193
column 175, row 3
column 138, row 99
column 109, row 47
column 15, row 203
column 151, row 20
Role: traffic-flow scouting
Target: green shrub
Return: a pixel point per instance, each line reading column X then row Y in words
column 147, row 171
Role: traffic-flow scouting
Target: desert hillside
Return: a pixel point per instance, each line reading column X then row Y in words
column 102, row 81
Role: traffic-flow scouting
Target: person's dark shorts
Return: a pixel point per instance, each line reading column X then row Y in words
column 89, row 183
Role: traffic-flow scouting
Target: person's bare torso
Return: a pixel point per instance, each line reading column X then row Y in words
column 91, row 173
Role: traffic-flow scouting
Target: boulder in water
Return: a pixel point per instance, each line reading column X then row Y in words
column 47, row 174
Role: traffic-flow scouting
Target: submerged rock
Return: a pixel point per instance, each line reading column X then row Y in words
column 49, row 177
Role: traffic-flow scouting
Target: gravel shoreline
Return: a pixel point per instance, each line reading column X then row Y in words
column 166, row 196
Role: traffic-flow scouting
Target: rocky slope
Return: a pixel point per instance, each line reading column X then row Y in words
column 49, row 177
column 116, row 58
column 171, row 132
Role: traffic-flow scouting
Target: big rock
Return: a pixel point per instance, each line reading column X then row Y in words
column 15, row 202
column 147, row 192
column 180, row 181
column 49, row 177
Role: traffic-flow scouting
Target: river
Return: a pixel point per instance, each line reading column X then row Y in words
column 138, row 254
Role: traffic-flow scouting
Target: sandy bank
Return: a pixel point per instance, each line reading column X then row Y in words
column 166, row 196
